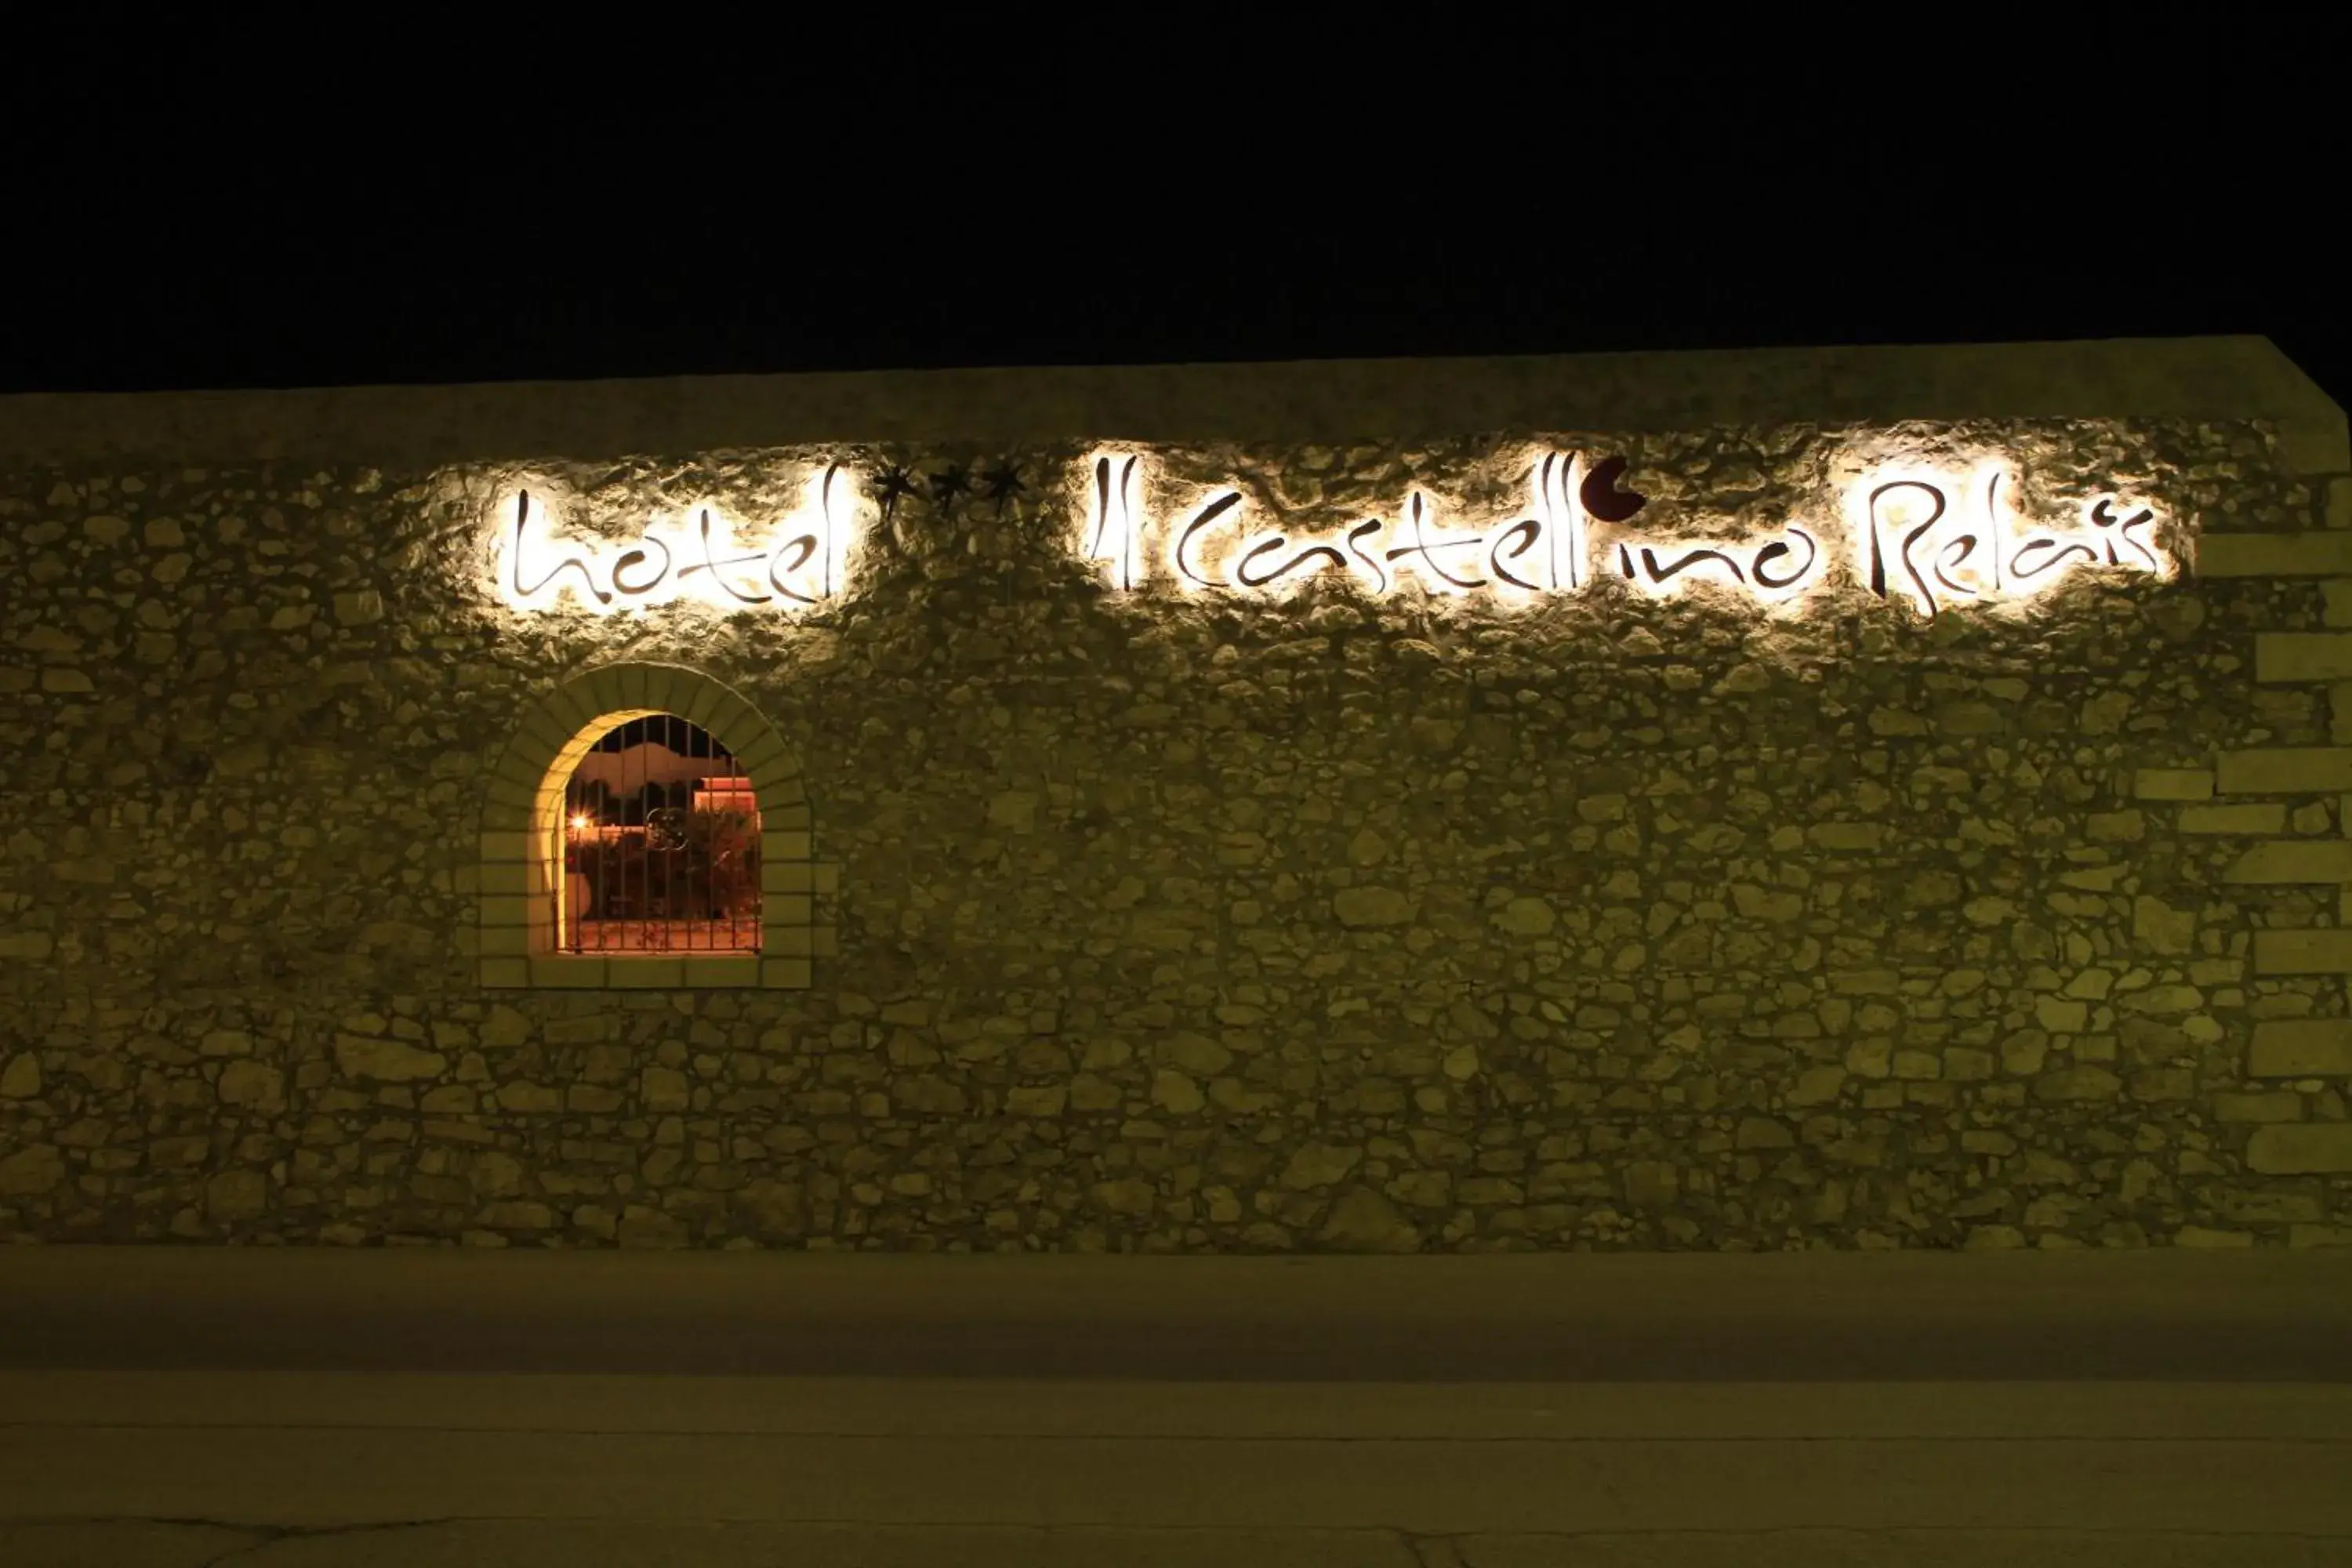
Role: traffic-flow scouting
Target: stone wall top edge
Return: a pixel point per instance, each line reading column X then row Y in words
column 2201, row 378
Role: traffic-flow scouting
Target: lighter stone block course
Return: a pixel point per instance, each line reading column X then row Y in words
column 2326, row 951
column 2293, row 860
column 505, row 971
column 2275, row 555
column 2320, row 1236
column 2302, row 1148
column 2283, row 656
column 506, row 847
column 2250, row 818
column 634, row 973
column 2301, row 1047
column 568, row 973
column 2285, row 770
column 2173, row 784
column 734, row 970
column 508, row 877
column 507, row 910
column 2278, row 1105
column 2311, row 447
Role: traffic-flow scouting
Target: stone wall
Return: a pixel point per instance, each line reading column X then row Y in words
column 1179, row 925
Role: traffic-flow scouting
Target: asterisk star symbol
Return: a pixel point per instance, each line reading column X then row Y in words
column 1003, row 484
column 948, row 484
column 892, row 483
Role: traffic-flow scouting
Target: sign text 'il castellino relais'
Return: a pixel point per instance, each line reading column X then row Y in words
column 1933, row 539
column 1930, row 539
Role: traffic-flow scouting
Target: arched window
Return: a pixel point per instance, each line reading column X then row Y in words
column 661, row 845
column 647, row 827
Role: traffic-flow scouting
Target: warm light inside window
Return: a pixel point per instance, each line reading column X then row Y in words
column 663, row 854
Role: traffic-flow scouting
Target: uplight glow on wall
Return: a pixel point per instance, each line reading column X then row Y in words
column 1922, row 536
column 1929, row 538
column 701, row 557
column 1939, row 541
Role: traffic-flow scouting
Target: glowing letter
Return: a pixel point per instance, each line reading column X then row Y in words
column 628, row 558
column 1910, row 539
column 1114, row 507
column 577, row 564
column 1416, row 515
column 1202, row 519
column 711, row 563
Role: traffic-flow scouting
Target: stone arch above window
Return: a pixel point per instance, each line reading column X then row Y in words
column 521, row 880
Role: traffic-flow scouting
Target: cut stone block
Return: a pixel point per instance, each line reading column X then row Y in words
column 2301, row 1047
column 2301, row 1148
column 2172, row 784
column 2303, row 655
column 2270, row 1106
column 2293, row 860
column 2324, row 555
column 2308, row 445
column 2323, row 951
column 2285, row 770
column 2251, row 818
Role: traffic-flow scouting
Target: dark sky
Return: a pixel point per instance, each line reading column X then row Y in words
column 269, row 308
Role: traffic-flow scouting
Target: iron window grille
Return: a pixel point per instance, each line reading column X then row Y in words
column 660, row 844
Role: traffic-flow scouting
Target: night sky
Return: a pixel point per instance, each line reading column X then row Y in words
column 230, row 310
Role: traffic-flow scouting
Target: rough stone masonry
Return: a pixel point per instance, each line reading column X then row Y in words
column 1332, row 922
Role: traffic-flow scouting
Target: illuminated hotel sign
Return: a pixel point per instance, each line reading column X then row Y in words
column 697, row 557
column 1932, row 539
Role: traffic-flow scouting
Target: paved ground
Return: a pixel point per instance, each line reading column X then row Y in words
column 2161, row 1315
column 165, row 1409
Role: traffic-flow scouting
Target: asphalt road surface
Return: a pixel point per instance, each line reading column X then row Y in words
column 268, row 1409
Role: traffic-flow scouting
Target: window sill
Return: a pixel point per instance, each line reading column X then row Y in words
column 647, row 972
